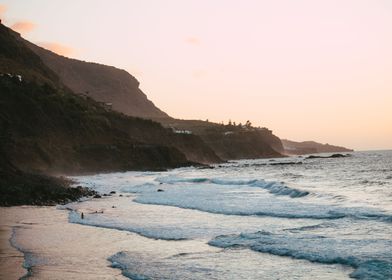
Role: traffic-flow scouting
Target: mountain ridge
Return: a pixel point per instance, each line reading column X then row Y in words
column 120, row 91
column 103, row 83
column 310, row 147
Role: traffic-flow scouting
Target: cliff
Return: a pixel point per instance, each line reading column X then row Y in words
column 40, row 84
column 310, row 147
column 232, row 142
column 47, row 128
column 103, row 83
column 116, row 87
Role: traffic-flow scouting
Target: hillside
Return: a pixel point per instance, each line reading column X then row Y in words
column 50, row 131
column 121, row 92
column 232, row 142
column 144, row 132
column 103, row 83
column 16, row 58
column 46, row 129
column 310, row 147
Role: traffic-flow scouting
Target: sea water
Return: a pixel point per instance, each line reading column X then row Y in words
column 287, row 218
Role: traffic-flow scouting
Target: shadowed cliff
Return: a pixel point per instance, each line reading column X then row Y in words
column 37, row 105
column 121, row 91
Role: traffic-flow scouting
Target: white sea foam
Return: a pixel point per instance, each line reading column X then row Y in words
column 368, row 256
column 235, row 199
column 325, row 211
column 221, row 265
column 273, row 187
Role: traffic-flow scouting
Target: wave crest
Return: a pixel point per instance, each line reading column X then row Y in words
column 275, row 188
column 369, row 257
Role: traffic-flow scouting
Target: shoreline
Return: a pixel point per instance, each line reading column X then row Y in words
column 11, row 259
column 31, row 235
column 56, row 249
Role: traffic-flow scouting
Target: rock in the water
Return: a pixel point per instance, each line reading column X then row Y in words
column 97, row 196
column 331, row 156
column 160, row 190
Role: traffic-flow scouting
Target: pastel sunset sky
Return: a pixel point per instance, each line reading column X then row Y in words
column 307, row 69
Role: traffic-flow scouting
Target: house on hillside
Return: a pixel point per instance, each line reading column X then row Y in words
column 181, row 131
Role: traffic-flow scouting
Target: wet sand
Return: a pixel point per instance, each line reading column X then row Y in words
column 56, row 249
column 11, row 260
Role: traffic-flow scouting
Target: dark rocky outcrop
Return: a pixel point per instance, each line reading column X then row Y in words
column 331, row 156
column 20, row 188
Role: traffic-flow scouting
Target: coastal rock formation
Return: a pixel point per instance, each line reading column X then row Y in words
column 310, row 147
column 118, row 90
column 231, row 142
column 114, row 87
column 52, row 128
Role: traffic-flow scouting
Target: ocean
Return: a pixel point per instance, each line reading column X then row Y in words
column 284, row 218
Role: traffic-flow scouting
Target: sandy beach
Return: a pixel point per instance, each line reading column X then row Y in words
column 45, row 231
column 41, row 243
column 55, row 249
column 11, row 260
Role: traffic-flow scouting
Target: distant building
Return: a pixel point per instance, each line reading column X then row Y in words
column 181, row 131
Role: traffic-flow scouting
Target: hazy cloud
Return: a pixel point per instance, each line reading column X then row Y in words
column 3, row 8
column 199, row 73
column 23, row 26
column 192, row 40
column 58, row 48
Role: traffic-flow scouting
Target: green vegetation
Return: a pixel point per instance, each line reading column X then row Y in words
column 52, row 131
column 230, row 141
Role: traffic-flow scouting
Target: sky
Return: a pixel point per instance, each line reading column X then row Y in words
column 307, row 69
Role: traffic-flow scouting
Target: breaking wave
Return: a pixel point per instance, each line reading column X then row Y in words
column 367, row 256
column 273, row 187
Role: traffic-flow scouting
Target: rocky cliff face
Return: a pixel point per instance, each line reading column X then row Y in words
column 49, row 131
column 103, row 83
column 45, row 127
column 121, row 92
